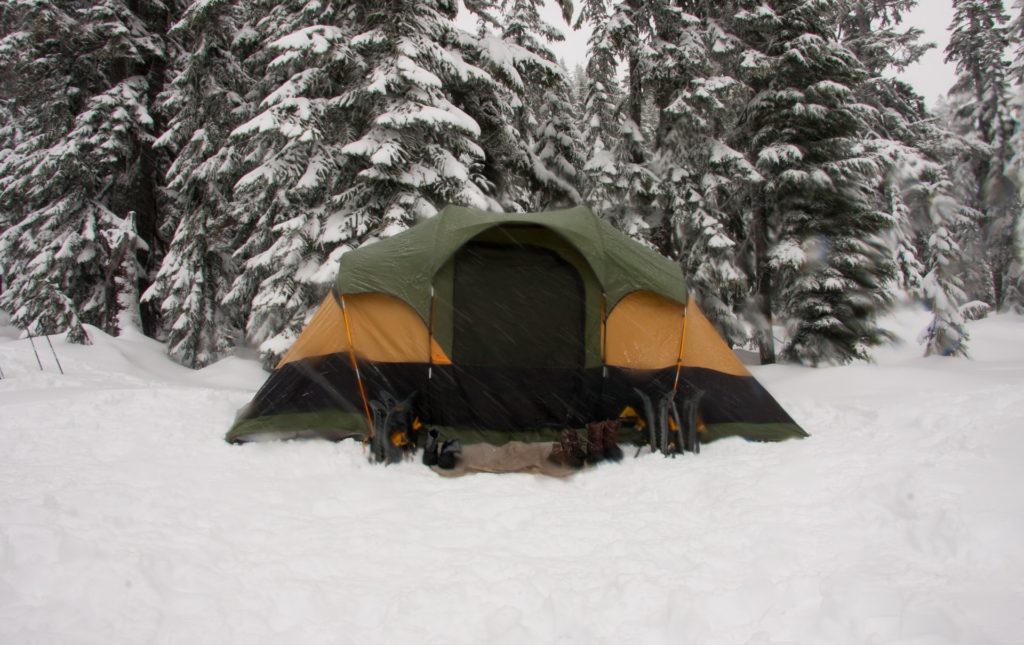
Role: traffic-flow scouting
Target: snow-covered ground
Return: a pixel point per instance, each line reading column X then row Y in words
column 125, row 518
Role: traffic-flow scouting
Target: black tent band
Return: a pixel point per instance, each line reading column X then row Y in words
column 509, row 401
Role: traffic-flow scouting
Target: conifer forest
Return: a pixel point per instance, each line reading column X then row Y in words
column 197, row 169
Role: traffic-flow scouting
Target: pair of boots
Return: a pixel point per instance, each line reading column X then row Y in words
column 602, row 443
column 441, row 454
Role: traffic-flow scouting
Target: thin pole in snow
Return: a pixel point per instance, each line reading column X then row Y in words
column 355, row 364
column 54, row 354
column 34, row 349
column 2, row 377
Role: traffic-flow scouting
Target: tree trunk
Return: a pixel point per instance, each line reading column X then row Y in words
column 636, row 99
column 145, row 206
column 763, row 284
column 664, row 92
column 144, row 198
column 998, row 288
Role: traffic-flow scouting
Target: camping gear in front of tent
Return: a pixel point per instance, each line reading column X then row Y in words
column 431, row 447
column 450, row 452
column 650, row 419
column 675, row 424
column 670, row 432
column 595, row 442
column 610, row 432
column 536, row 458
column 510, row 328
column 665, row 446
column 603, row 440
column 441, row 452
column 691, row 422
column 568, row 449
column 393, row 432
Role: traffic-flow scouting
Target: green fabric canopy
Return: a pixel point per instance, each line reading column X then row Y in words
column 405, row 265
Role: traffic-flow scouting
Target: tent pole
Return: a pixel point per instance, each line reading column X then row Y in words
column 34, row 351
column 430, row 354
column 604, row 332
column 54, row 354
column 355, row 366
column 604, row 346
column 682, row 346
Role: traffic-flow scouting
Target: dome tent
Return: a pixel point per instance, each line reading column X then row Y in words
column 506, row 327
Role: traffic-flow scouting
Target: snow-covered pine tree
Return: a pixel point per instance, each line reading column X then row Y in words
column 1016, row 73
column 979, row 46
column 1016, row 37
column 630, row 28
column 418, row 150
column 578, row 82
column 10, row 137
column 819, row 221
column 294, row 163
column 555, row 153
column 705, row 182
column 909, row 268
column 619, row 185
column 928, row 217
column 1015, row 287
column 523, row 117
column 558, row 149
column 497, row 105
column 872, row 30
column 947, row 334
column 84, row 175
column 750, row 23
column 601, row 120
column 916, row 189
column 206, row 102
column 361, row 132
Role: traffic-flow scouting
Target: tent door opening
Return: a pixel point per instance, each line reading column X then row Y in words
column 518, row 339
column 516, row 306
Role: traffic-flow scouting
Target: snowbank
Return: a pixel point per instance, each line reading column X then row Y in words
column 124, row 518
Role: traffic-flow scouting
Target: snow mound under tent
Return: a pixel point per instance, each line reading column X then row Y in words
column 125, row 517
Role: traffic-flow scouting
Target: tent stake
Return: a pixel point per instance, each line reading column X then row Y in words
column 34, row 348
column 54, row 354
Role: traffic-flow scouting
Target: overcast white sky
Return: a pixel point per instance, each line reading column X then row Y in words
column 931, row 77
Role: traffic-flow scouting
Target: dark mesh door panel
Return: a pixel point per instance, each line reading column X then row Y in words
column 516, row 306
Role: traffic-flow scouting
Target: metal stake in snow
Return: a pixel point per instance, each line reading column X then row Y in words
column 54, row 354
column 27, row 331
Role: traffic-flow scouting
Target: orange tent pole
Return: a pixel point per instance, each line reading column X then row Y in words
column 682, row 346
column 355, row 366
column 604, row 331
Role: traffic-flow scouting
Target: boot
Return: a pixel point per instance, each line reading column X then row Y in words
column 595, row 441
column 572, row 452
column 430, row 450
column 611, row 440
column 556, row 452
column 450, row 451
